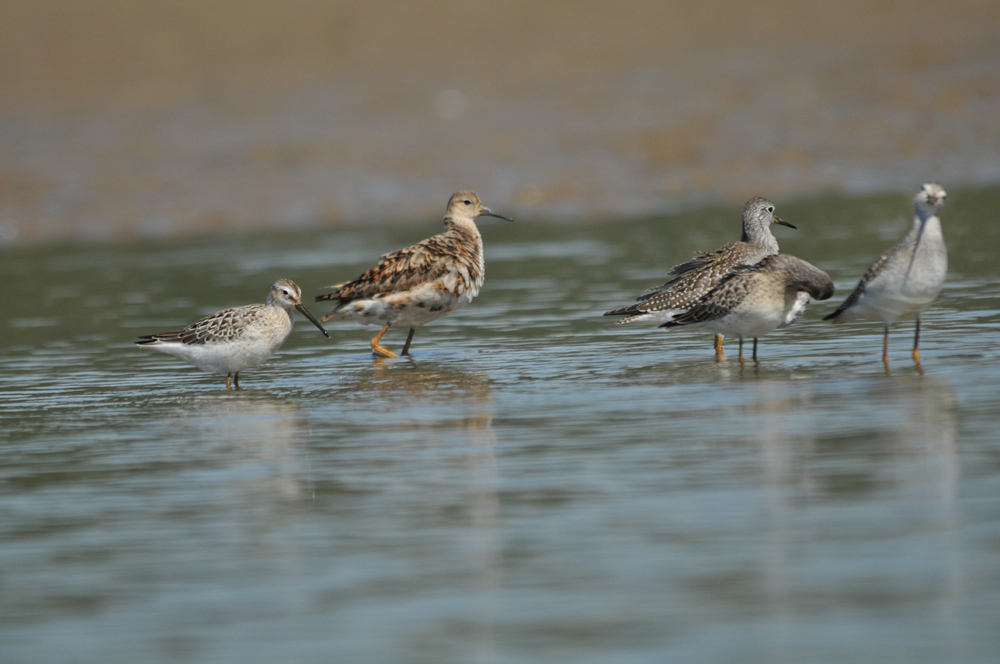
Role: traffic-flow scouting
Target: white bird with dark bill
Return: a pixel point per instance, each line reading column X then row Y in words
column 696, row 277
column 753, row 300
column 415, row 285
column 907, row 278
column 233, row 340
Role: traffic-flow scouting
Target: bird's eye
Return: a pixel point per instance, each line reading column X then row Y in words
column 467, row 201
column 770, row 208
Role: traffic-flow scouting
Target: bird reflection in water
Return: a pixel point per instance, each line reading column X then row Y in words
column 905, row 452
column 255, row 431
column 440, row 423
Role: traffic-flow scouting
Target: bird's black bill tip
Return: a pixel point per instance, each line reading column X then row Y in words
column 785, row 223
column 305, row 312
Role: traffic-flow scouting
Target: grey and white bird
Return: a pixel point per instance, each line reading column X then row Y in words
column 232, row 340
column 905, row 279
column 753, row 300
column 693, row 279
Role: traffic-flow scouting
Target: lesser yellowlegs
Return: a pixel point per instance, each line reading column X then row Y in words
column 696, row 277
column 907, row 278
column 753, row 300
column 418, row 284
column 236, row 339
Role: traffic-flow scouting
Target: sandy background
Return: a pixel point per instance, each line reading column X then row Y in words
column 129, row 119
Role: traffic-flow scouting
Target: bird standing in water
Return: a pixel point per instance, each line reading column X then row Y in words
column 905, row 279
column 232, row 340
column 696, row 277
column 415, row 285
column 753, row 300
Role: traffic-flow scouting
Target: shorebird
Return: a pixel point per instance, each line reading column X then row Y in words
column 907, row 278
column 753, row 300
column 236, row 339
column 415, row 285
column 696, row 277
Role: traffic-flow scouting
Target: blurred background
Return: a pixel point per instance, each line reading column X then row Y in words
column 124, row 119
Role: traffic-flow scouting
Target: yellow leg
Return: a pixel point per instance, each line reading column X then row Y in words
column 718, row 344
column 885, row 346
column 377, row 348
column 916, row 344
column 229, row 381
column 406, row 346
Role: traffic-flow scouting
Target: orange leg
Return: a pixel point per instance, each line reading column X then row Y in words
column 718, row 344
column 916, row 344
column 406, row 346
column 377, row 348
column 885, row 346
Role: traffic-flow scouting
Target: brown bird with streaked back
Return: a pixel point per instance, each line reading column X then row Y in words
column 415, row 285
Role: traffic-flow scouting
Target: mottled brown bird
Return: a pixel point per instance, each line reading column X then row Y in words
column 415, row 285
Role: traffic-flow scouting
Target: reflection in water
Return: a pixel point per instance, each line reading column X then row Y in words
column 431, row 404
column 925, row 441
column 432, row 382
column 648, row 492
column 925, row 437
column 911, row 440
column 261, row 430
column 250, row 469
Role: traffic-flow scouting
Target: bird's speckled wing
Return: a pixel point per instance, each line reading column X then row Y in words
column 872, row 272
column 719, row 301
column 693, row 279
column 226, row 325
column 408, row 268
column 699, row 262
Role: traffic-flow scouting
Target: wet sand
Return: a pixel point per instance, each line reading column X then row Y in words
column 154, row 119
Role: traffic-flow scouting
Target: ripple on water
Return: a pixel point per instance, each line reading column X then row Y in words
column 536, row 479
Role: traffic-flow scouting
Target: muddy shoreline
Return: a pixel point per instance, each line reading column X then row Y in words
column 163, row 119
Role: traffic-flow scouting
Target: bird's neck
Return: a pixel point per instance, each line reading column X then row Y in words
column 760, row 237
column 925, row 225
column 466, row 227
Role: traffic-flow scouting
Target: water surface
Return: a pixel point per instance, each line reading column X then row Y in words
column 536, row 484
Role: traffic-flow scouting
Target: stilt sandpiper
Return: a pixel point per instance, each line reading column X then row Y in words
column 236, row 339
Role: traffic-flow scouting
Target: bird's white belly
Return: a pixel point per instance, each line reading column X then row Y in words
column 747, row 324
column 903, row 292
column 889, row 306
column 413, row 308
column 230, row 356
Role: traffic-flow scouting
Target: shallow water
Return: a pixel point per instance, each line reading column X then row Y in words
column 537, row 484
